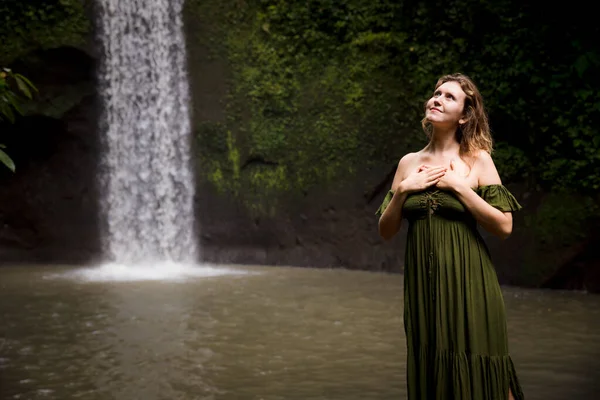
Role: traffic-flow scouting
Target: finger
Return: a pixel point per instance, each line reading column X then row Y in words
column 436, row 172
column 434, row 179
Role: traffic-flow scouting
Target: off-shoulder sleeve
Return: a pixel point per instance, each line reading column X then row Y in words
column 384, row 203
column 499, row 197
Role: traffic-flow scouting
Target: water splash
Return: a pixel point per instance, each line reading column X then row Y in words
column 165, row 271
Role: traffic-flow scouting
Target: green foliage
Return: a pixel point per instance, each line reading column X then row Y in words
column 26, row 25
column 512, row 163
column 322, row 87
column 538, row 80
column 13, row 87
column 310, row 95
column 5, row 159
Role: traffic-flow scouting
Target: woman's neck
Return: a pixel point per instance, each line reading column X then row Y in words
column 443, row 142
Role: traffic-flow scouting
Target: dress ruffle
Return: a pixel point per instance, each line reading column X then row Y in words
column 499, row 196
column 463, row 376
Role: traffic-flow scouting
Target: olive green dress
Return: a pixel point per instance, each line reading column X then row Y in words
column 454, row 315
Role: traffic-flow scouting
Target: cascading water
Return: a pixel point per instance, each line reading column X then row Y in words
column 147, row 184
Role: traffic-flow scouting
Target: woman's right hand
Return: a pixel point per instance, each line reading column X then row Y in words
column 421, row 178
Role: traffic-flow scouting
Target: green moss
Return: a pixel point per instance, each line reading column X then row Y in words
column 28, row 25
column 323, row 90
column 308, row 106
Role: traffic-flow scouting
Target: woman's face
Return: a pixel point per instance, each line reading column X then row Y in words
column 446, row 105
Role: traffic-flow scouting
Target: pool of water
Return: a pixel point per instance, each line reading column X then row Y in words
column 252, row 332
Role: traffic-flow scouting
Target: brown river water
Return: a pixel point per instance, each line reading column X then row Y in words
column 252, row 332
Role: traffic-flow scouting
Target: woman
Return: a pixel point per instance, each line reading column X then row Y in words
column 454, row 314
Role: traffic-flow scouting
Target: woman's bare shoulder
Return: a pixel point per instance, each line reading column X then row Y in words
column 486, row 169
column 409, row 160
column 404, row 165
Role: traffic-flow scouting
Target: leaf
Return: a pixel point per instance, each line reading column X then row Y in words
column 17, row 108
column 6, row 160
column 25, row 80
column 581, row 65
column 7, row 112
column 23, row 87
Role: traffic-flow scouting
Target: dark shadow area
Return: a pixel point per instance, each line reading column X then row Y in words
column 49, row 207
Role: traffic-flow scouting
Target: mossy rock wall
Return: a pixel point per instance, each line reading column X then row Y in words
column 304, row 107
column 300, row 114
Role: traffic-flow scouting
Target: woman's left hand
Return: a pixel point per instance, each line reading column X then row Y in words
column 452, row 180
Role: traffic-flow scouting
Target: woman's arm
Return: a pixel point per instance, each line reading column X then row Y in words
column 490, row 218
column 391, row 219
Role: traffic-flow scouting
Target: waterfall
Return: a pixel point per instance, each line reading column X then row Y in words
column 147, row 182
column 146, row 174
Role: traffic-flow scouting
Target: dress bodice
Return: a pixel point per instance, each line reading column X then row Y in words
column 433, row 201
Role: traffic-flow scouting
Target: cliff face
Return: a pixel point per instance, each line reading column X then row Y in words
column 50, row 207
